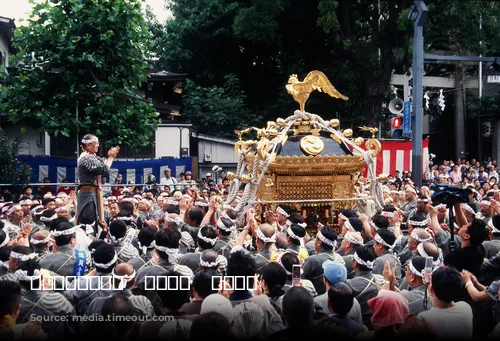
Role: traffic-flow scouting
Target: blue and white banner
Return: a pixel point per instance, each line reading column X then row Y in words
column 132, row 171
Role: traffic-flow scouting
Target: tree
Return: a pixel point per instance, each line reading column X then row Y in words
column 12, row 171
column 83, row 55
column 215, row 109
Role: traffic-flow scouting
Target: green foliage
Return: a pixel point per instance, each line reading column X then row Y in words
column 88, row 54
column 216, row 110
column 12, row 171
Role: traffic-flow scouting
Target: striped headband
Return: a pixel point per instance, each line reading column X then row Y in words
column 348, row 226
column 206, row 239
column 65, row 232
column 350, row 238
column 332, row 243
column 422, row 223
column 6, row 240
column 294, row 236
column 358, row 260
column 223, row 227
column 22, row 258
column 415, row 236
column 265, row 239
column 107, row 265
column 380, row 240
column 282, row 211
column 494, row 229
column 42, row 241
column 201, row 204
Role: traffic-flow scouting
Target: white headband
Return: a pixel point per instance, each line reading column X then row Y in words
column 353, row 240
column 387, row 214
column 172, row 253
column 294, row 236
column 34, row 209
column 380, row 240
column 422, row 223
column 440, row 206
column 91, row 140
column 469, row 209
column 375, row 227
column 343, row 217
column 125, row 278
column 43, row 241
column 65, row 232
column 201, row 204
column 490, row 224
column 348, row 226
column 114, row 239
column 22, row 275
column 107, row 265
column 146, row 247
column 14, row 208
column 48, row 219
column 421, row 252
column 283, row 212
column 415, row 236
column 332, row 243
column 414, row 270
column 173, row 202
column 222, row 226
column 207, row 264
column 206, row 239
column 6, row 240
column 224, row 214
column 485, row 202
column 23, row 258
column 265, row 239
column 358, row 260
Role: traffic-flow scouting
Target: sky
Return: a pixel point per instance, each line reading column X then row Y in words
column 16, row 9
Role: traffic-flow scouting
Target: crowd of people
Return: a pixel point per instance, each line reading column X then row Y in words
column 402, row 271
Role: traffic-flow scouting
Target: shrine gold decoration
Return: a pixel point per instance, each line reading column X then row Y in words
column 373, row 144
column 311, row 145
column 315, row 80
column 372, row 130
column 297, row 164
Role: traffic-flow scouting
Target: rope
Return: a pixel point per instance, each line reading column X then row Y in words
column 306, row 201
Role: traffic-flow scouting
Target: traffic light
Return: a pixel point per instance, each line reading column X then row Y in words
column 396, row 127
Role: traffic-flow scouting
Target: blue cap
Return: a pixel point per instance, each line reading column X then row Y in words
column 334, row 272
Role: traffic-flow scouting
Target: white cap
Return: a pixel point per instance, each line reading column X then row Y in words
column 219, row 304
column 209, row 174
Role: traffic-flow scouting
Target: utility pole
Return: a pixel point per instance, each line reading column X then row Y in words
column 418, row 12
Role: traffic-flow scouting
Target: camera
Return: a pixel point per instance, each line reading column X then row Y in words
column 449, row 195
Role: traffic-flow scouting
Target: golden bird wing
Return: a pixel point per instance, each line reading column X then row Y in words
column 320, row 82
